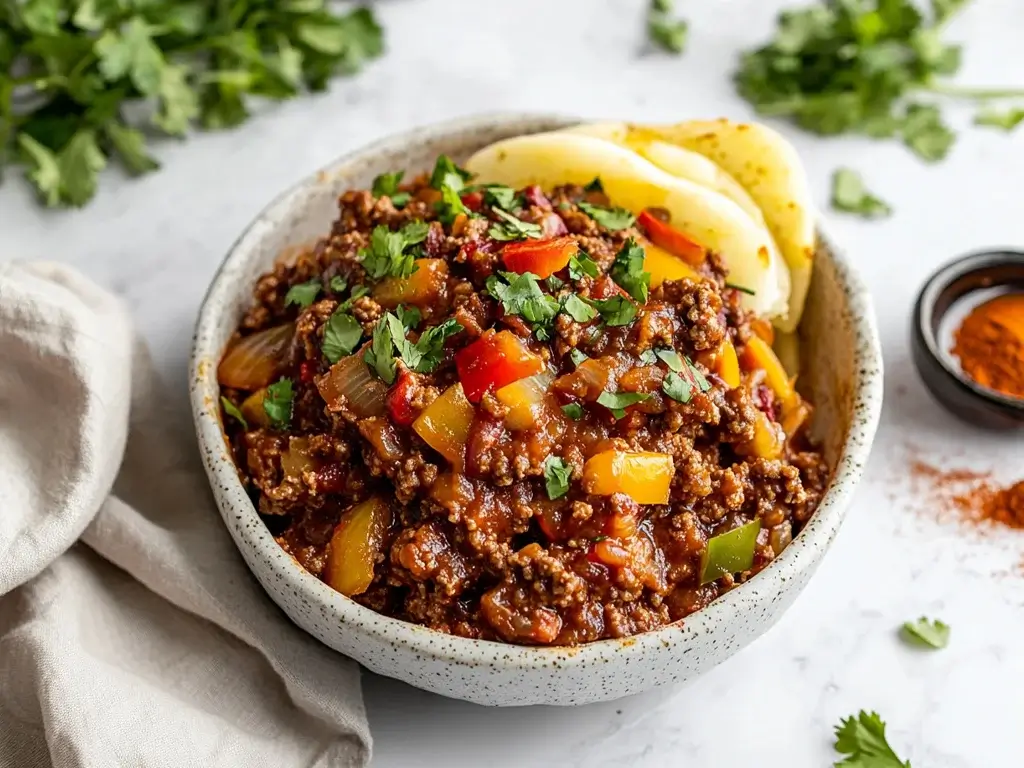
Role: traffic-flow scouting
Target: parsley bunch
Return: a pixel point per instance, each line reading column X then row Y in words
column 853, row 66
column 71, row 71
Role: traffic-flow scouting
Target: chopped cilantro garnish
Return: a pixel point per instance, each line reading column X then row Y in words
column 612, row 219
column 617, row 402
column 628, row 271
column 500, row 196
column 380, row 355
column 862, row 739
column 447, row 174
column 577, row 357
column 677, row 387
column 581, row 264
column 512, row 228
column 664, row 31
column 338, row 284
column 927, row 632
column 850, row 195
column 925, row 133
column 423, row 356
column 450, row 205
column 357, row 293
column 557, row 475
column 578, row 309
column 671, row 358
column 303, row 294
column 277, row 403
column 341, row 335
column 648, row 357
column 595, row 185
column 520, row 294
column 573, row 410
column 553, row 282
column 232, row 410
column 1006, row 120
column 410, row 316
column 615, row 311
column 680, row 382
column 388, row 254
column 387, row 184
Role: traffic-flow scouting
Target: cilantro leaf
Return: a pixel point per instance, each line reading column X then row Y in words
column 573, row 410
column 380, row 355
column 303, row 294
column 665, row 32
column 410, row 316
column 341, row 335
column 500, row 196
column 357, row 293
column 617, row 402
column 423, row 356
column 1006, row 120
column 388, row 254
column 447, row 174
column 430, row 346
column 925, row 133
column 578, row 309
column 862, row 739
column 678, row 387
column 926, row 632
column 513, row 228
column 386, row 184
column 581, row 264
column 577, row 356
column 520, row 294
column 338, row 284
column 131, row 52
column 616, row 310
column 671, row 358
column 67, row 176
column 277, row 403
column 612, row 219
column 648, row 357
column 850, row 195
column 557, row 477
column 553, row 282
column 130, row 146
column 628, row 271
column 232, row 410
column 450, row 205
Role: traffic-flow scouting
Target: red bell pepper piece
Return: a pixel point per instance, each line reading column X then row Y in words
column 492, row 361
column 473, row 200
column 671, row 239
column 541, row 257
column 399, row 400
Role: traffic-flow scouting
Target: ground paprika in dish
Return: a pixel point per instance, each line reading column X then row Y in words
column 990, row 344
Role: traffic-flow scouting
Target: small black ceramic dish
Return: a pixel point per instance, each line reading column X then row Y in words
column 967, row 280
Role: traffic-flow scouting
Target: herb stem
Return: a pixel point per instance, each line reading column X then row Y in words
column 967, row 92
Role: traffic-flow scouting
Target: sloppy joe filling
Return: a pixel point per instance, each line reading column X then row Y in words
column 507, row 414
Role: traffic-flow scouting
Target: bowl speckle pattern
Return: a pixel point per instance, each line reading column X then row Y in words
column 838, row 332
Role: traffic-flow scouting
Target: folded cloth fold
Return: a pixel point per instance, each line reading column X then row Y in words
column 131, row 633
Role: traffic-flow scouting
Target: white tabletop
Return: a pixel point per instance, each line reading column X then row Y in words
column 157, row 241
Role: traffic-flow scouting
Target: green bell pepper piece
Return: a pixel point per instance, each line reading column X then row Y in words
column 730, row 552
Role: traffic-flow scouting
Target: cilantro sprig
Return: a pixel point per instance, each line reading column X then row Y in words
column 665, row 31
column 386, row 185
column 511, row 228
column 617, row 402
column 71, row 73
column 850, row 195
column 628, row 271
column 277, row 403
column 389, row 253
column 557, row 477
column 612, row 219
column 520, row 294
column 857, row 67
column 862, row 739
column 422, row 356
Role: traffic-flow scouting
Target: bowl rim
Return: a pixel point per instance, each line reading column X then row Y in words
column 803, row 553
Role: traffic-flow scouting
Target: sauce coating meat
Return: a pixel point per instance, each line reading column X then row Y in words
column 506, row 414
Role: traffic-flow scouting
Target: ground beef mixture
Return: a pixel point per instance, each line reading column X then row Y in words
column 408, row 475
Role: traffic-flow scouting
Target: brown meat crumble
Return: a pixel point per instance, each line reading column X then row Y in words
column 504, row 541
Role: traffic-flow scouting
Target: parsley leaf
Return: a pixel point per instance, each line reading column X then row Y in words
column 380, row 355
column 410, row 316
column 850, row 195
column 388, row 254
column 303, row 294
column 1006, row 120
column 616, row 310
column 447, row 174
column 557, row 476
column 863, row 739
column 931, row 633
column 341, row 335
column 573, row 410
column 512, row 228
column 277, row 403
column 520, row 294
column 617, row 402
column 232, row 410
column 667, row 33
column 612, row 219
column 581, row 264
column 578, row 309
column 628, row 271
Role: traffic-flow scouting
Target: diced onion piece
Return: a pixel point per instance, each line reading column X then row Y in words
column 769, row 441
column 421, row 288
column 664, row 266
column 297, row 459
column 444, row 424
column 352, row 379
column 253, row 411
column 728, row 365
column 355, row 545
column 757, row 354
column 255, row 361
column 525, row 399
column 781, row 537
column 730, row 552
column 643, row 476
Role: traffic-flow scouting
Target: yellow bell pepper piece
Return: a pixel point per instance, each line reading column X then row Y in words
column 664, row 266
column 525, row 399
column 728, row 365
column 760, row 355
column 444, row 424
column 357, row 541
column 643, row 476
column 769, row 440
column 253, row 411
column 419, row 289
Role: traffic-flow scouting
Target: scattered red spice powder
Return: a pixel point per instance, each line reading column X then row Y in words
column 975, row 496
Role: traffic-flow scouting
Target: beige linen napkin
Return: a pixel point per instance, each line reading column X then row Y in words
column 131, row 633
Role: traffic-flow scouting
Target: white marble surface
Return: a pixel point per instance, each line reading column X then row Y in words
column 156, row 242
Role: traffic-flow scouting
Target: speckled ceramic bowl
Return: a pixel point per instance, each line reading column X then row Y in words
column 845, row 382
